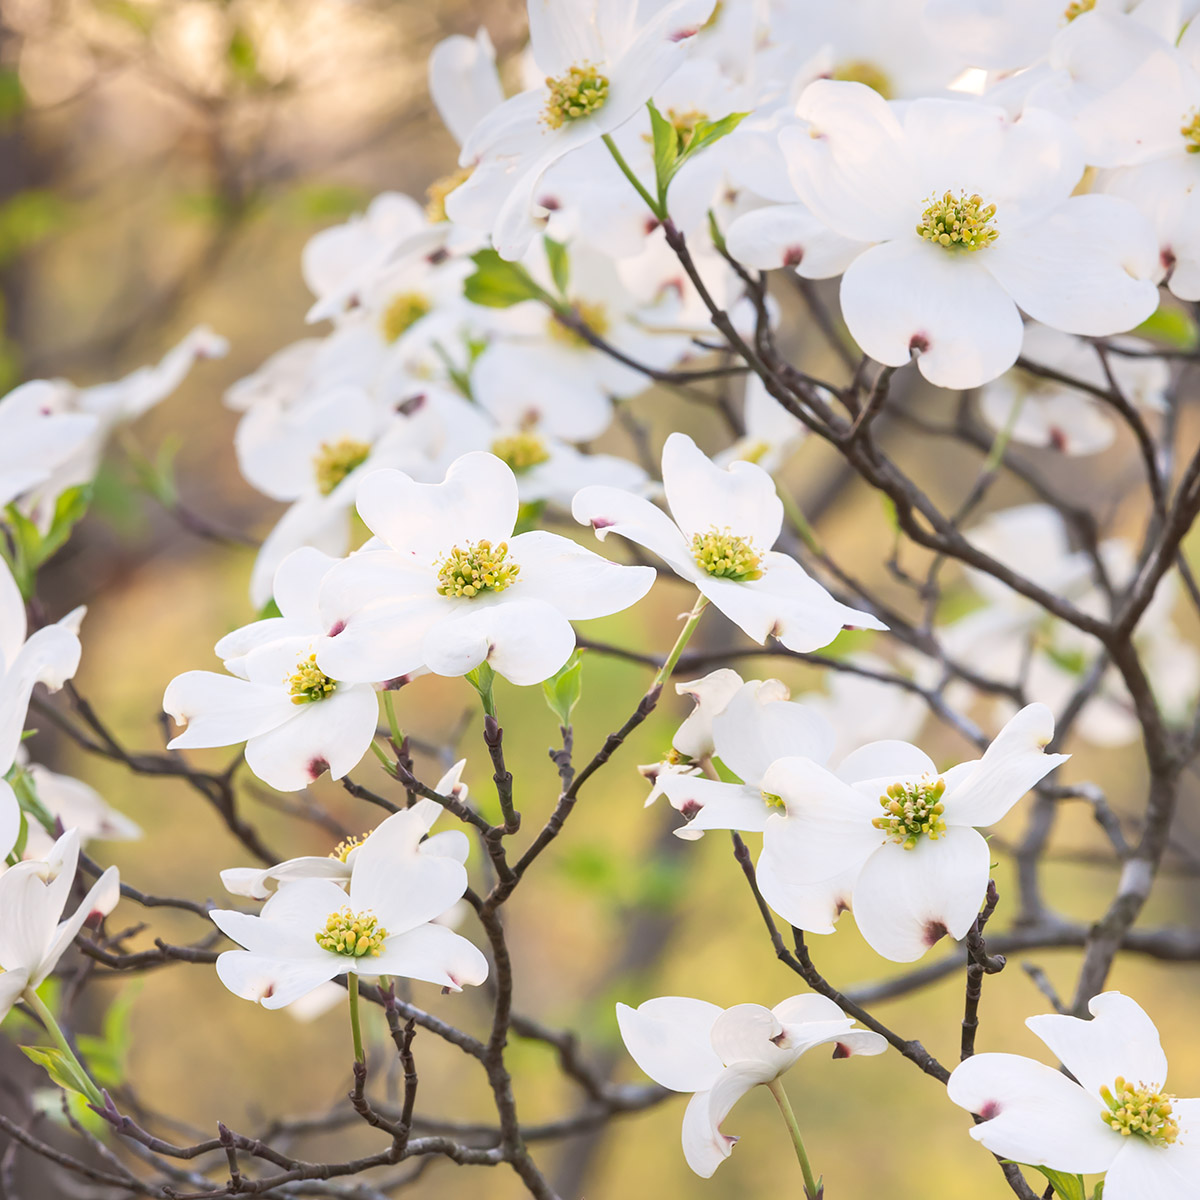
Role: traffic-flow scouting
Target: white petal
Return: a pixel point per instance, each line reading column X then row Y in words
column 813, row 907
column 100, row 900
column 669, row 1037
column 610, row 510
column 704, row 1145
column 759, row 725
column 12, row 617
column 273, row 982
column 10, row 820
column 710, row 694
column 12, row 984
column 50, row 656
column 1032, row 1114
column 221, row 710
column 431, row 953
column 788, row 235
column 252, row 882
column 905, row 901
column 885, row 760
column 1142, row 1171
column 710, row 804
column 380, row 641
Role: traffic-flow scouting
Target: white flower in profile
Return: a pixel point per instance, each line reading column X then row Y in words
column 50, row 656
column 1112, row 1113
column 602, row 60
column 312, row 930
column 725, row 523
column 904, row 835
column 446, row 585
column 339, row 863
column 296, row 721
column 10, row 821
column 37, row 436
column 720, row 1054
column 33, row 934
column 1043, row 412
column 972, row 217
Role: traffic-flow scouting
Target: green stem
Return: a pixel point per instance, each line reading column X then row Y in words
column 483, row 680
column 86, row 1085
column 355, row 1026
column 798, row 519
column 685, row 636
column 657, row 209
column 811, row 1186
column 1000, row 444
column 381, row 754
column 393, row 724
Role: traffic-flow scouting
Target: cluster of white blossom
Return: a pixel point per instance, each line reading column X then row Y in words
column 992, row 180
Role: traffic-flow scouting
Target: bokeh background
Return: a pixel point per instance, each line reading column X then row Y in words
column 161, row 165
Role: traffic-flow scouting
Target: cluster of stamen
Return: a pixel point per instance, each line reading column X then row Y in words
column 481, row 567
column 335, row 460
column 773, row 801
column 912, row 809
column 310, row 683
column 579, row 93
column 1140, row 1111
column 342, row 850
column 959, row 222
column 1191, row 131
column 1077, row 8
column 352, row 934
column 439, row 189
column 403, row 312
column 861, row 70
column 588, row 313
column 726, row 555
column 685, row 123
column 522, row 451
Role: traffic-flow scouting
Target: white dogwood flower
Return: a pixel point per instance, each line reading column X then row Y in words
column 972, row 215
column 37, row 436
column 446, row 585
column 1112, row 1114
column 720, row 1054
column 901, row 834
column 725, row 523
column 312, row 930
column 297, row 721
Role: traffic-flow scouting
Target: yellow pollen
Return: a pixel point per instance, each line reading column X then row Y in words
column 726, row 555
column 1077, row 8
column 958, row 223
column 310, row 683
column 1191, row 131
column 1140, row 1111
column 522, row 451
column 579, row 93
column 342, row 850
column 336, row 460
column 754, row 452
column 352, row 934
column 439, row 189
column 481, row 567
column 912, row 809
column 773, row 801
column 591, row 314
column 861, row 70
column 403, row 312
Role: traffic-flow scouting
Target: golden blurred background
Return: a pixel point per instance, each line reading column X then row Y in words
column 161, row 165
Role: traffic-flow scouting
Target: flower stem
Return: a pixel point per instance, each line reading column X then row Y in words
column 657, row 209
column 393, row 724
column 355, row 1026
column 89, row 1089
column 685, row 636
column 812, row 1187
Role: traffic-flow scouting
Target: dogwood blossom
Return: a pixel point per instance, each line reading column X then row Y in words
column 902, row 835
column 37, row 437
column 725, row 523
column 720, row 1054
column 446, row 584
column 1112, row 1114
column 312, row 930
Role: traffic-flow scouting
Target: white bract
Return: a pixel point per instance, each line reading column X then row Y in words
column 892, row 837
column 1114, row 1116
column 37, row 437
column 312, row 930
column 76, row 805
column 720, row 1054
column 447, row 585
column 297, row 722
column 971, row 215
column 725, row 522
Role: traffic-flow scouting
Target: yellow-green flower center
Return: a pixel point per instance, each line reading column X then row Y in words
column 352, row 934
column 403, row 312
column 589, row 313
column 522, row 451
column 1140, row 1111
column 481, row 567
column 861, row 70
column 773, row 801
column 912, row 809
column 342, row 850
column 959, row 222
column 439, row 189
column 579, row 93
column 1191, row 131
column 1077, row 8
column 336, row 460
column 310, row 683
column 726, row 555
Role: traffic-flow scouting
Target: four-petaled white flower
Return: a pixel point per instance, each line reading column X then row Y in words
column 446, row 584
column 726, row 521
column 313, row 930
column 720, row 1054
column 1111, row 1114
column 894, row 839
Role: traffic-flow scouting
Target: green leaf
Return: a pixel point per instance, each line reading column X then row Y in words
column 498, row 283
column 12, row 97
column 666, row 149
column 107, row 1054
column 56, row 1064
column 69, row 509
column 1098, row 1194
column 1069, row 1187
column 1172, row 326
column 242, row 56
column 562, row 691
column 708, row 132
column 560, row 264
